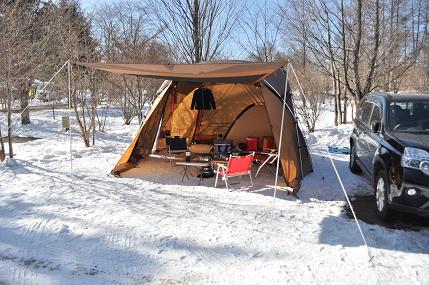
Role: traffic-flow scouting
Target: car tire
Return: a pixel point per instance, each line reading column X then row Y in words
column 354, row 168
column 381, row 186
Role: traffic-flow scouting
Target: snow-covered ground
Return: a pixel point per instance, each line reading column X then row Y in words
column 91, row 228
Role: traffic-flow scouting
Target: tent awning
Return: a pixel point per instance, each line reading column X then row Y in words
column 204, row 72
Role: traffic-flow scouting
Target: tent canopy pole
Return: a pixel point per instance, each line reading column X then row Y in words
column 281, row 136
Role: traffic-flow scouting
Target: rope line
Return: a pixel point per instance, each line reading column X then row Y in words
column 37, row 93
column 351, row 207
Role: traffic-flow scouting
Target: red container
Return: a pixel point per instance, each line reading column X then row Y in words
column 252, row 143
column 268, row 143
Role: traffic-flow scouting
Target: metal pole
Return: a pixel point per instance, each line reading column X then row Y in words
column 281, row 136
column 70, row 130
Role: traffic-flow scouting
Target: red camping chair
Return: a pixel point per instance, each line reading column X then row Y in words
column 236, row 166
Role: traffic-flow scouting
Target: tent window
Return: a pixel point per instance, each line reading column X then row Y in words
column 203, row 99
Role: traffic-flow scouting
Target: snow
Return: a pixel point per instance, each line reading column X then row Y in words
column 91, row 228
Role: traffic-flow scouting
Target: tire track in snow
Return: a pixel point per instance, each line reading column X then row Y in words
column 21, row 273
column 112, row 252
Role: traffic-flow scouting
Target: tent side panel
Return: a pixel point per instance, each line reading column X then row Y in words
column 307, row 166
column 230, row 100
column 276, row 80
column 254, row 121
column 143, row 142
column 178, row 92
column 289, row 155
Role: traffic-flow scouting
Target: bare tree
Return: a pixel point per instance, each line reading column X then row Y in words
column 260, row 26
column 16, row 47
column 361, row 45
column 74, row 41
column 127, row 35
column 195, row 30
column 84, row 101
column 315, row 91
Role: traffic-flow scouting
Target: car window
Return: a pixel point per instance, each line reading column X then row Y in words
column 409, row 116
column 359, row 111
column 366, row 112
column 376, row 115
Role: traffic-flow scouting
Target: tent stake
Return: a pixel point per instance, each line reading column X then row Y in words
column 70, row 130
column 281, row 136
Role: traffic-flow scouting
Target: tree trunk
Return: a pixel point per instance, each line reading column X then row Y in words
column 340, row 92
column 345, row 107
column 25, row 110
column 82, row 125
column 2, row 152
column 86, row 140
column 9, row 123
column 336, row 99
column 196, row 31
column 340, row 112
column 53, row 109
column 94, row 103
column 93, row 125
column 356, row 51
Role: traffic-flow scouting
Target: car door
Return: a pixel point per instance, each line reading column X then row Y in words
column 362, row 150
column 373, row 138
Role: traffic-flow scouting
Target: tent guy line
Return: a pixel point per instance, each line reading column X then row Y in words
column 370, row 256
column 40, row 91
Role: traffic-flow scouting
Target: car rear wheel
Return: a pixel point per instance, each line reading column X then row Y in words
column 354, row 168
column 381, row 185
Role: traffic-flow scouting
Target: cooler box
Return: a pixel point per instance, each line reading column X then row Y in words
column 268, row 143
column 252, row 143
column 222, row 146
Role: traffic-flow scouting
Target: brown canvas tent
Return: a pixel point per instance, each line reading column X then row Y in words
column 248, row 99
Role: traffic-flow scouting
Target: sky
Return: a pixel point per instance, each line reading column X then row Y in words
column 232, row 48
column 89, row 4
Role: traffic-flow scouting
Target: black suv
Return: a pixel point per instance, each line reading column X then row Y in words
column 390, row 143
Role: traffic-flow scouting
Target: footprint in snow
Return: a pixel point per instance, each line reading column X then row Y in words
column 64, row 230
column 77, row 155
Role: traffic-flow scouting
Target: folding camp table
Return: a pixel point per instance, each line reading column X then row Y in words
column 186, row 165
